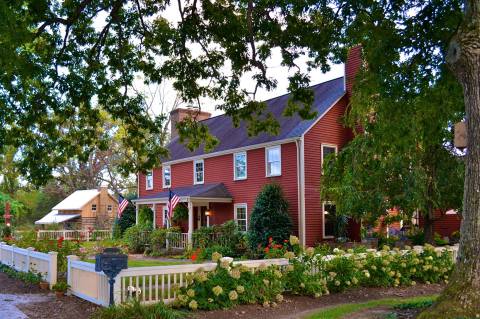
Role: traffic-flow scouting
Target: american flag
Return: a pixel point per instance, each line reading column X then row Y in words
column 122, row 204
column 173, row 200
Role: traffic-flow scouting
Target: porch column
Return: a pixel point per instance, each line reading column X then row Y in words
column 190, row 222
column 154, row 216
column 136, row 213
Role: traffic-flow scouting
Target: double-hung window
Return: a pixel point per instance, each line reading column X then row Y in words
column 327, row 150
column 240, row 166
column 241, row 216
column 167, row 177
column 329, row 219
column 198, row 171
column 273, row 161
column 149, row 180
column 94, row 208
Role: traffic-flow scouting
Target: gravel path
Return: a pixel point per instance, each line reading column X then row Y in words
column 19, row 300
column 9, row 303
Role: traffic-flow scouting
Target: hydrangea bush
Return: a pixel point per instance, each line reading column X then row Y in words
column 230, row 284
column 309, row 273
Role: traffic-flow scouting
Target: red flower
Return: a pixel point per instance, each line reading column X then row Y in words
column 266, row 250
column 194, row 257
column 270, row 239
column 278, row 246
column 60, row 242
column 285, row 241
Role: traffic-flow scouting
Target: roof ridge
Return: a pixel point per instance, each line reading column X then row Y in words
column 272, row 98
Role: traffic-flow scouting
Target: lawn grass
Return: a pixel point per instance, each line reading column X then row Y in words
column 146, row 263
column 343, row 310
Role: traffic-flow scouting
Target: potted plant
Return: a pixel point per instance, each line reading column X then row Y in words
column 43, row 285
column 60, row 288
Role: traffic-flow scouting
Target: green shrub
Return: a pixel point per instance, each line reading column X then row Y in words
column 269, row 218
column 157, row 240
column 136, row 237
column 145, row 217
column 439, row 241
column 127, row 219
column 134, row 310
column 226, row 235
column 416, row 236
column 229, row 285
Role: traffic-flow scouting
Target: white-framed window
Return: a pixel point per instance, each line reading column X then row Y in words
column 94, row 207
column 109, row 208
column 149, row 180
column 273, row 161
column 241, row 216
column 240, row 166
column 329, row 219
column 167, row 177
column 328, row 149
column 198, row 171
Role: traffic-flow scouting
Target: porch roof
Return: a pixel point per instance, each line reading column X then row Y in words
column 212, row 192
column 54, row 217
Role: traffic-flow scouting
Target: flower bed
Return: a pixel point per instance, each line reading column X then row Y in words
column 311, row 274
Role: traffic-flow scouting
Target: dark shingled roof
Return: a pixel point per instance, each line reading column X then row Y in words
column 217, row 190
column 221, row 126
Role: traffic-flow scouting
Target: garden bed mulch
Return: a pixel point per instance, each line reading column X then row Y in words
column 67, row 307
column 299, row 306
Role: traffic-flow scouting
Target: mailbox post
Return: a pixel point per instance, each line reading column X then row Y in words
column 111, row 262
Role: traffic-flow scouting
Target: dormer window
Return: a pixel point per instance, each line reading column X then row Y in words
column 149, row 180
column 198, row 171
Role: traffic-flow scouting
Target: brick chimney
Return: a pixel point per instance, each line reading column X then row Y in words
column 352, row 65
column 180, row 114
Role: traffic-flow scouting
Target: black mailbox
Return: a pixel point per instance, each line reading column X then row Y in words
column 111, row 262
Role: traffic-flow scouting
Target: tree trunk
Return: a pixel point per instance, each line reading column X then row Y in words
column 428, row 227
column 461, row 298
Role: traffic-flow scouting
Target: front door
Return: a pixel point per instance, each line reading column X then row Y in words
column 200, row 219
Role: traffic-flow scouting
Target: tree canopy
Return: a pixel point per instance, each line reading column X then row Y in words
column 403, row 157
column 60, row 59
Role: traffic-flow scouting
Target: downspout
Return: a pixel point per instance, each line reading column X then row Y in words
column 301, row 189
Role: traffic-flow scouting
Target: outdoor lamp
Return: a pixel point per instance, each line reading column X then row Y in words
column 208, row 213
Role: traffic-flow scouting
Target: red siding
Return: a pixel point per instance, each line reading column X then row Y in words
column 219, row 169
column 328, row 130
column 444, row 224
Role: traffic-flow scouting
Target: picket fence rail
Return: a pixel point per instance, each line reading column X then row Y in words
column 151, row 284
column 86, row 235
column 29, row 260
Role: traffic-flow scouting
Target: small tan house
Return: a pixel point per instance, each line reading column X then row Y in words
column 84, row 209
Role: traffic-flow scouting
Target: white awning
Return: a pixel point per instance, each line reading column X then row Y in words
column 54, row 218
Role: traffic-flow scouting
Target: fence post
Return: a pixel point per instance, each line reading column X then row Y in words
column 117, row 290
column 70, row 259
column 88, row 235
column 12, row 260
column 27, row 266
column 52, row 268
column 1, row 251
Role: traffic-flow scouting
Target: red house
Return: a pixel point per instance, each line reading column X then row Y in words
column 223, row 184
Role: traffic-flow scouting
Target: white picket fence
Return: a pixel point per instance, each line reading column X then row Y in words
column 28, row 259
column 74, row 234
column 153, row 283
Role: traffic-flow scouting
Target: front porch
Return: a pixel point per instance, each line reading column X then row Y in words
column 207, row 205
